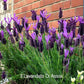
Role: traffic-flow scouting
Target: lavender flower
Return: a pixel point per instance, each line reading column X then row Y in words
column 33, row 42
column 65, row 61
column 66, row 52
column 3, row 75
column 62, row 49
column 5, row 4
column 43, row 14
column 35, row 28
column 44, row 17
column 33, row 35
column 40, row 43
column 47, row 40
column 8, row 23
column 1, row 34
column 46, row 25
column 3, row 41
column 65, row 34
column 60, row 13
column 2, row 27
column 81, row 27
column 21, row 43
column 78, row 39
column 16, row 37
column 61, row 25
column 34, row 15
column 14, row 31
column 0, row 56
column 53, row 35
column 25, row 22
column 27, row 31
column 72, row 23
column 70, row 37
column 11, row 36
column 66, row 42
column 42, row 29
column 59, row 36
column 17, row 24
column 38, row 23
column 71, row 51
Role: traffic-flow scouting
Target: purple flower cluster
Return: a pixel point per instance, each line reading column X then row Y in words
column 5, row 4
column 41, row 28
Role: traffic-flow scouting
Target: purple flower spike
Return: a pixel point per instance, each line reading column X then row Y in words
column 47, row 38
column 42, row 29
column 9, row 32
column 62, row 49
column 21, row 45
column 3, row 40
column 71, row 35
column 60, row 13
column 43, row 15
column 40, row 38
column 35, row 26
column 78, row 36
column 33, row 35
column 40, row 43
column 9, row 20
column 81, row 27
column 0, row 56
column 38, row 18
column 34, row 15
column 5, row 4
column 78, row 39
column 59, row 36
column 65, row 24
column 53, row 30
column 65, row 34
column 2, row 34
column 66, row 42
column 71, row 48
column 2, row 27
column 27, row 28
column 58, row 44
column 3, row 75
column 62, row 46
column 66, row 52
column 61, row 23
column 71, row 51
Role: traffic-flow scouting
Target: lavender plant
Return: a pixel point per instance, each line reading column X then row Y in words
column 43, row 51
